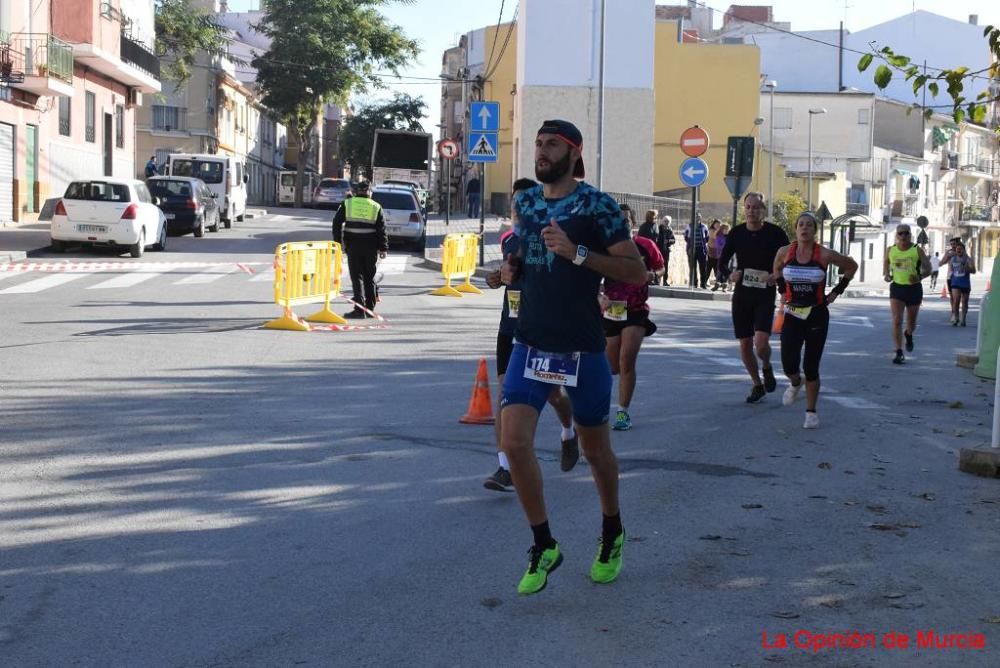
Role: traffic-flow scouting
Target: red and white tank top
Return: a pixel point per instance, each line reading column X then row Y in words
column 805, row 282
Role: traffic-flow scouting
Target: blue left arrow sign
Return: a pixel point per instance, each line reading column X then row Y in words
column 694, row 172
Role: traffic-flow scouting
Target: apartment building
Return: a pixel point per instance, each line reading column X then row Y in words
column 70, row 81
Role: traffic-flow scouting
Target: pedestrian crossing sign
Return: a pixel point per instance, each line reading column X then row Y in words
column 482, row 147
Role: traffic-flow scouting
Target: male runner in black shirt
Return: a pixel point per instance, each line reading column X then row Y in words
column 754, row 244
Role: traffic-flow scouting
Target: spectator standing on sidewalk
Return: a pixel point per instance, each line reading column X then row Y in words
column 649, row 227
column 721, row 270
column 473, row 197
column 664, row 240
column 700, row 244
column 713, row 253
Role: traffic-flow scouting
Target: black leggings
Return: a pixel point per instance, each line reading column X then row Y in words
column 810, row 332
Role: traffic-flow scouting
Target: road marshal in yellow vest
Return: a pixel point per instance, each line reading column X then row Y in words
column 359, row 227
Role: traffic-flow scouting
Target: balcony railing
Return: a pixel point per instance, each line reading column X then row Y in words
column 949, row 160
column 977, row 212
column 137, row 54
column 855, row 208
column 35, row 55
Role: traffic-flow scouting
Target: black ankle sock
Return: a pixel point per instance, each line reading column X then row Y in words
column 543, row 537
column 809, row 411
column 612, row 526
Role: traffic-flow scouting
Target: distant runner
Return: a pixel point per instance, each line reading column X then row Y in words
column 626, row 323
column 754, row 245
column 802, row 268
column 904, row 267
column 960, row 270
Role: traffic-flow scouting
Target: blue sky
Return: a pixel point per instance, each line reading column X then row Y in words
column 436, row 24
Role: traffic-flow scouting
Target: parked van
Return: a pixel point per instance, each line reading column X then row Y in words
column 286, row 187
column 224, row 175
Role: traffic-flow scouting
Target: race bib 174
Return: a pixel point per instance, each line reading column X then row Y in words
column 552, row 368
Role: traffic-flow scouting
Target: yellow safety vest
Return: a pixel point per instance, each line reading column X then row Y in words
column 361, row 210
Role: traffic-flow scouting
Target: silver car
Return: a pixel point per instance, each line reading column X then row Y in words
column 330, row 193
column 403, row 219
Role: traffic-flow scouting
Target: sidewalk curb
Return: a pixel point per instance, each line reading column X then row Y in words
column 967, row 359
column 7, row 257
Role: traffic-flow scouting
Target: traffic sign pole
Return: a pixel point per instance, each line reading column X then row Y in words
column 482, row 214
column 694, row 239
column 694, row 143
column 447, row 149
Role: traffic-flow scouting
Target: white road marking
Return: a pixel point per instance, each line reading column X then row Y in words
column 853, row 321
column 264, row 276
column 701, row 352
column 128, row 280
column 40, row 284
column 207, row 276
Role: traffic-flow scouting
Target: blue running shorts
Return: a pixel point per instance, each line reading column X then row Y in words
column 591, row 397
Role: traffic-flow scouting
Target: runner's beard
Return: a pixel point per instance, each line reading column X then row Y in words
column 555, row 171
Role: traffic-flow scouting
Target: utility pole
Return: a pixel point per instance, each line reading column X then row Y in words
column 600, row 102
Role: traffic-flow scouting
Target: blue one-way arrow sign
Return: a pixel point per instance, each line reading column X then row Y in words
column 485, row 116
column 694, row 171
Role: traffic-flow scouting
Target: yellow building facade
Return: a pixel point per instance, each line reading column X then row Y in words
column 501, row 87
column 714, row 86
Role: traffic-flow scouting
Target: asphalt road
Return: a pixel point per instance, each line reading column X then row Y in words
column 180, row 487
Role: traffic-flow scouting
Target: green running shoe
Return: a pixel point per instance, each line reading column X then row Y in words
column 608, row 563
column 622, row 421
column 542, row 563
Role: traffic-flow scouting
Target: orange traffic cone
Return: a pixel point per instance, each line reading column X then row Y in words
column 944, row 292
column 480, row 405
column 779, row 320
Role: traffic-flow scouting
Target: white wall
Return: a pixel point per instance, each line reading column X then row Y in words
column 569, row 55
column 941, row 41
column 797, row 64
column 141, row 13
column 837, row 133
column 558, row 76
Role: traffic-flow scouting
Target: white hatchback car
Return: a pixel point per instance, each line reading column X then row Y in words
column 109, row 212
column 403, row 218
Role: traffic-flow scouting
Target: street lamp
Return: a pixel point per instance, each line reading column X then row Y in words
column 770, row 85
column 809, row 196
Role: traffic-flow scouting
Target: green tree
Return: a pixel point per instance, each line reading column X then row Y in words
column 954, row 80
column 357, row 135
column 321, row 51
column 787, row 207
column 182, row 32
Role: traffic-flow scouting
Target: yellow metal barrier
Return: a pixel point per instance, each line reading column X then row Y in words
column 306, row 272
column 458, row 260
